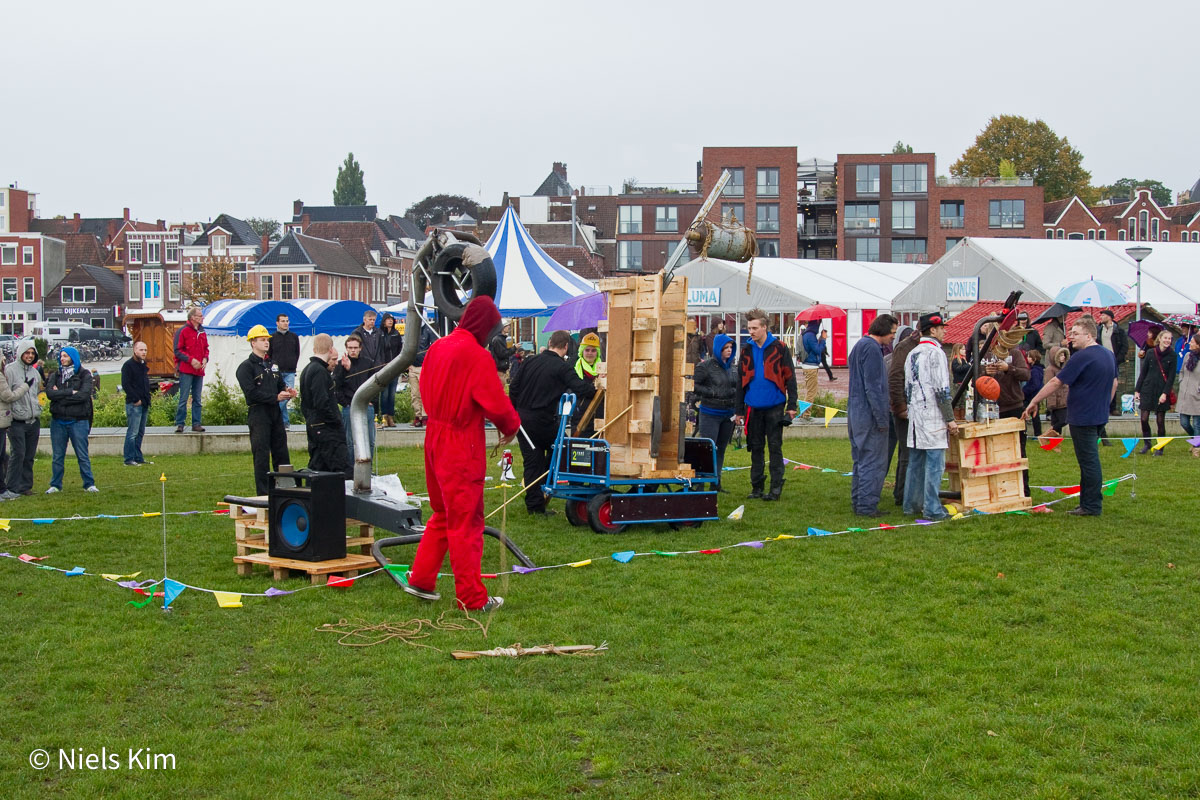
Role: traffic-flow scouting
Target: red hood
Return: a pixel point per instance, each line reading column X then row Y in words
column 480, row 319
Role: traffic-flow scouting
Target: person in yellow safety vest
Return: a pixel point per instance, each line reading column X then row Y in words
column 587, row 366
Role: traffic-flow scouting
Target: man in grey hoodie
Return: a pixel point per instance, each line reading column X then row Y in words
column 26, row 426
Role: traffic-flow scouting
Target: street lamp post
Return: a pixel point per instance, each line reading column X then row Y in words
column 1138, row 254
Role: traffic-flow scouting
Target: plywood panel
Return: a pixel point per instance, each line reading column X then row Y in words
column 617, row 388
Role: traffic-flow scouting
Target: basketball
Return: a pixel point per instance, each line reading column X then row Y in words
column 987, row 387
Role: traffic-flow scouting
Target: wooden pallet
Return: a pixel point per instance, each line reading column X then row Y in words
column 281, row 568
column 985, row 466
column 645, row 367
column 251, row 525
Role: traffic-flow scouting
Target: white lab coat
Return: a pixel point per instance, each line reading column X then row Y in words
column 927, row 390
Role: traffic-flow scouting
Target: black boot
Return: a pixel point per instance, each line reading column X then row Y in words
column 1145, row 449
column 774, row 494
column 756, row 493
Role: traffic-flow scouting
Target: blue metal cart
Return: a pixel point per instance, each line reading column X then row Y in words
column 579, row 474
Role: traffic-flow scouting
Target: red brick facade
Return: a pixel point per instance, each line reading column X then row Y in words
column 1141, row 220
column 783, row 197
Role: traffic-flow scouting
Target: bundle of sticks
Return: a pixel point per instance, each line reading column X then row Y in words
column 517, row 651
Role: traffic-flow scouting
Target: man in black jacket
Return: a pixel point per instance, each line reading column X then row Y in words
column 501, row 353
column 264, row 391
column 535, row 393
column 284, row 353
column 368, row 334
column 327, row 450
column 135, row 382
column 353, row 371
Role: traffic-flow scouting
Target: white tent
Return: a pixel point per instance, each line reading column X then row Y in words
column 785, row 286
column 529, row 282
column 1041, row 267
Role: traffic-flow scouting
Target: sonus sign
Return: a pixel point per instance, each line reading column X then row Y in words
column 962, row 290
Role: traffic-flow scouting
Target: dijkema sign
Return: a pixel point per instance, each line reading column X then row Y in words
column 704, row 297
column 962, row 290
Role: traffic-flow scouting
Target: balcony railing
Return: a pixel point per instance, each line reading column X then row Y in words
column 952, row 222
column 871, row 224
column 958, row 180
column 818, row 229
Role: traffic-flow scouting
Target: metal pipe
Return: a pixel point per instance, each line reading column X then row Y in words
column 359, row 418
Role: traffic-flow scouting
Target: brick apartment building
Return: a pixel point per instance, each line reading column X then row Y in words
column 17, row 208
column 1139, row 219
column 226, row 238
column 30, row 263
column 894, row 207
column 303, row 267
column 762, row 193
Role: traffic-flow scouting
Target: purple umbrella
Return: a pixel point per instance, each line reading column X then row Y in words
column 578, row 313
column 1139, row 329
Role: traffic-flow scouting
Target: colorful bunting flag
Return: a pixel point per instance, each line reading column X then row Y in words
column 4, row 526
column 228, row 599
column 819, row 532
column 1194, row 441
column 711, row 552
column 736, row 514
column 172, row 589
column 580, row 563
column 1049, row 443
column 517, row 568
column 663, row 553
column 1069, row 489
column 273, row 592
column 749, row 544
column 830, row 413
column 624, row 556
column 339, row 582
column 1161, row 442
column 71, row 573
column 1129, row 443
column 802, row 406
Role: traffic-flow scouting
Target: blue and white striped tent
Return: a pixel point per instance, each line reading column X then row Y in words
column 529, row 282
column 237, row 317
column 335, row 317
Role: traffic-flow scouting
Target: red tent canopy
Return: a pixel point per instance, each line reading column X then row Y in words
column 962, row 325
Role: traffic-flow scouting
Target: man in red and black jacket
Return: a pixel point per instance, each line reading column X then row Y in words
column 191, row 357
column 767, row 392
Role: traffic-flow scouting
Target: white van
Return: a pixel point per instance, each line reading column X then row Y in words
column 58, row 333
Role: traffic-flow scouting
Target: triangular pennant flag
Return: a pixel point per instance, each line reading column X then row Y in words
column 228, row 599
column 394, row 568
column 1050, row 489
column 951, row 509
column 1194, row 441
column 520, row 570
column 749, row 544
column 151, row 513
column 883, row 526
column 830, row 413
column 1161, row 442
column 339, row 582
column 273, row 592
column 43, row 521
column 1069, row 489
column 71, row 573
column 827, row 469
column 855, row 530
column 711, row 552
column 107, row 516
column 802, row 406
column 142, row 603
column 1049, row 443
column 736, row 514
column 819, row 532
column 1129, row 445
column 4, row 526
column 924, row 522
column 27, row 558
column 979, row 511
column 171, row 589
column 1021, row 513
column 803, row 466
column 1042, row 509
column 959, row 515
column 781, row 537
column 5, row 555
column 624, row 556
column 580, row 563
column 663, row 553
column 1109, row 489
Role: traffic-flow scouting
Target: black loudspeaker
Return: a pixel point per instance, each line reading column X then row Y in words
column 307, row 515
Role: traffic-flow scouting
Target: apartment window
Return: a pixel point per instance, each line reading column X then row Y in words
column 909, row 178
column 72, row 295
column 1075, row 236
column 8, row 254
column 908, row 251
column 866, row 249
column 953, row 213
column 1195, row 236
column 285, row 287
column 9, row 289
column 862, row 216
column 666, row 219
column 303, row 287
column 768, row 248
column 1153, row 232
column 1132, row 228
column 1165, row 236
column 135, row 252
column 1121, row 235
column 135, row 286
column 174, row 292
column 768, row 182
column 1091, row 234
column 218, row 245
column 951, row 242
column 735, row 209
column 266, row 288
column 239, row 272
column 153, row 252
column 767, row 220
column 737, row 183
column 904, row 215
column 629, row 255
column 1103, row 233
column 29, row 293
column 1050, row 233
column 629, row 219
column 172, row 252
column 1058, row 234
column 1143, row 224
column 3, row 224
column 2, row 197
column 866, row 179
column 27, row 254
column 1006, row 213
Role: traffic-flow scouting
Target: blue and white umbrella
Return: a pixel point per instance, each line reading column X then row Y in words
column 529, row 282
column 1093, row 293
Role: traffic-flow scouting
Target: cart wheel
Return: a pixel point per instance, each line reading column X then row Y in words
column 600, row 514
column 692, row 523
column 577, row 512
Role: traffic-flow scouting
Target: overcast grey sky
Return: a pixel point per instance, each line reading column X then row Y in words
column 182, row 111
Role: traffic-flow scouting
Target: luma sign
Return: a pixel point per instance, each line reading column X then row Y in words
column 704, row 297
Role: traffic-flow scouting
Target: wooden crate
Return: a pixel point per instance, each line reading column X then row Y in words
column 985, row 465
column 645, row 366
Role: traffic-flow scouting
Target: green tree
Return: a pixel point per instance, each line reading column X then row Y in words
column 901, row 147
column 349, row 189
column 1034, row 149
column 437, row 208
column 264, row 227
column 1126, row 186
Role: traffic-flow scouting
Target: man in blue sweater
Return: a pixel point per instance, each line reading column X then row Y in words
column 767, row 392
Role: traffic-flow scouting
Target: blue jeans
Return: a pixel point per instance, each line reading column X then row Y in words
column 350, row 435
column 76, row 430
column 135, row 417
column 923, row 481
column 387, row 399
column 1190, row 423
column 193, row 385
column 289, row 380
column 1087, row 453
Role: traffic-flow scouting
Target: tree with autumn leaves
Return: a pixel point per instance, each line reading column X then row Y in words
column 215, row 279
column 1034, row 150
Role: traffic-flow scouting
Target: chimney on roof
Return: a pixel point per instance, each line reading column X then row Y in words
column 560, row 169
column 266, row 244
column 126, row 213
column 297, row 207
column 76, row 216
column 162, row 224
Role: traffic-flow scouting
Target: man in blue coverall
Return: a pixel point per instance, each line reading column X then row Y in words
column 868, row 416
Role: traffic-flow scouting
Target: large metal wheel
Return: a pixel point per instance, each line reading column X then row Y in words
column 577, row 512
column 461, row 271
column 600, row 514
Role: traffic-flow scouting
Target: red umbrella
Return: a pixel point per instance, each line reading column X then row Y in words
column 820, row 311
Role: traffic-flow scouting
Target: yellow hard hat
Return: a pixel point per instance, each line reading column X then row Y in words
column 258, row 331
column 591, row 340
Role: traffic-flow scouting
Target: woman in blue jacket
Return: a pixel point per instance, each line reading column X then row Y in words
column 716, row 382
column 70, row 393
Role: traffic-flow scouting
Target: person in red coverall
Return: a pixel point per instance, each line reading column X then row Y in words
column 460, row 387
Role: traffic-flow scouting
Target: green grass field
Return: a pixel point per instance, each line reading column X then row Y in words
column 887, row 664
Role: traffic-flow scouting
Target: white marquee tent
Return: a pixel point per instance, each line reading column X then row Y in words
column 529, row 282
